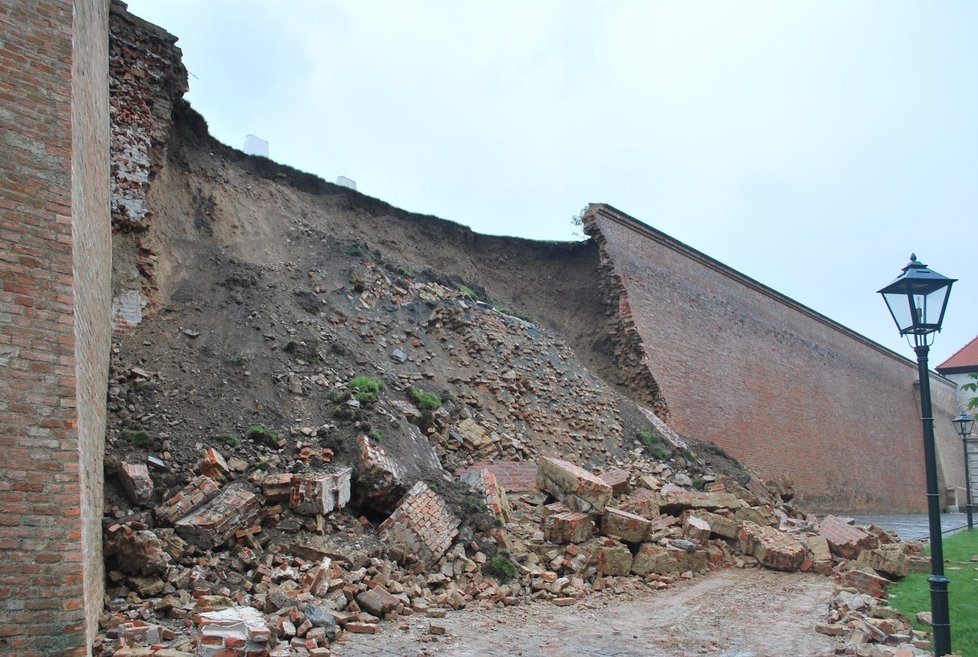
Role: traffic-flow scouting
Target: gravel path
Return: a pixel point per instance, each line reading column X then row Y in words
column 730, row 613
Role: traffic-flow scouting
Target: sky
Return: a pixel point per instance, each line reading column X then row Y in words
column 812, row 146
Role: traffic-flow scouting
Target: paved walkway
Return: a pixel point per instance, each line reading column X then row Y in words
column 915, row 527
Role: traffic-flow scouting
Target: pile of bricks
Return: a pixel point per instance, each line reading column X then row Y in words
column 421, row 524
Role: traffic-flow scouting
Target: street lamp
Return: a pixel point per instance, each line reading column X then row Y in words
column 917, row 300
column 963, row 424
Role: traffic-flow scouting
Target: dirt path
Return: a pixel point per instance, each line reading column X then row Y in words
column 732, row 613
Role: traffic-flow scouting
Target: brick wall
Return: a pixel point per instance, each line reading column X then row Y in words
column 778, row 386
column 54, row 340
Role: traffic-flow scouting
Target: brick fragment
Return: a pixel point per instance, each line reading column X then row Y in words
column 576, row 487
column 213, row 465
column 627, row 526
column 845, row 539
column 675, row 500
column 215, row 522
column 667, row 560
column 613, row 558
column 320, row 492
column 232, row 632
column 617, row 479
column 772, row 548
column 136, row 482
column 378, row 601
column 200, row 490
column 421, row 524
column 277, row 487
column 567, row 527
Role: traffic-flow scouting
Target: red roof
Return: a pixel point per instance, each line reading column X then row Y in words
column 965, row 360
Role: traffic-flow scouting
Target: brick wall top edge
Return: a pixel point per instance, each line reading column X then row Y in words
column 611, row 213
column 121, row 10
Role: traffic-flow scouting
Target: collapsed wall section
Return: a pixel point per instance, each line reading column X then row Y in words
column 54, row 328
column 783, row 389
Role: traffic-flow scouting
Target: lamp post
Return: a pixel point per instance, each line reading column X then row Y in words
column 917, row 300
column 963, row 424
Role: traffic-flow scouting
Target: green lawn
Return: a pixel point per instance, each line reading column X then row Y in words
column 912, row 594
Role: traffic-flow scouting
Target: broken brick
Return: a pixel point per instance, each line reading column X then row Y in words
column 626, row 526
column 136, row 482
column 772, row 548
column 576, row 487
column 567, row 527
column 321, row 492
column 216, row 521
column 200, row 490
column 421, row 524
column 845, row 539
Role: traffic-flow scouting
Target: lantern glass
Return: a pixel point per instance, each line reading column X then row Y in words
column 917, row 299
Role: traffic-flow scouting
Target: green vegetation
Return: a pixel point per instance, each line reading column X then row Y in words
column 971, row 386
column 655, row 445
column 259, row 433
column 912, row 594
column 138, row 437
column 467, row 291
column 424, row 400
column 230, row 440
column 699, row 484
column 501, row 567
column 357, row 249
column 235, row 261
column 366, row 388
column 515, row 313
column 376, row 435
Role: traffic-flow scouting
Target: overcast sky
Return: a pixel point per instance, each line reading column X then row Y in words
column 810, row 145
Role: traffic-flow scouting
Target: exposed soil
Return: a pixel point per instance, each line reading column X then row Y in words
column 731, row 613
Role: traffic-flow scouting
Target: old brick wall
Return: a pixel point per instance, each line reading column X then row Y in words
column 54, row 329
column 778, row 386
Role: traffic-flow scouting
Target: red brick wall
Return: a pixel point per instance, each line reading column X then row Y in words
column 53, row 328
column 781, row 388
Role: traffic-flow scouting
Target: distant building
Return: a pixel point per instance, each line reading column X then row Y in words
column 959, row 366
column 255, row 146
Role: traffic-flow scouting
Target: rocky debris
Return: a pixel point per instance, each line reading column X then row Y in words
column 561, row 525
column 573, row 485
column 320, row 492
column 136, row 482
column 771, row 547
column 233, row 632
column 629, row 527
column 200, row 490
column 379, row 478
column 845, row 539
column 484, row 480
column 137, row 552
column 218, row 519
column 421, row 525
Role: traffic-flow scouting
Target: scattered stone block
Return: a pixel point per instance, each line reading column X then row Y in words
column 719, row 525
column 576, row 487
column 421, row 524
column 613, row 558
column 667, row 560
column 473, row 436
column 697, row 530
column 758, row 515
column 137, row 552
column 845, row 539
column 213, row 465
column 136, row 482
column 233, row 632
column 277, row 487
column 379, row 477
column 675, row 500
column 890, row 560
column 512, row 476
column 200, row 490
column 641, row 502
column 484, row 481
column 567, row 527
column 627, row 526
column 772, row 548
column 378, row 601
column 617, row 479
column 865, row 580
column 320, row 492
column 216, row 521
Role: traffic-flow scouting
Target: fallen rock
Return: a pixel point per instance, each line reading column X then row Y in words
column 378, row 601
column 865, row 580
column 137, row 552
column 891, row 560
column 238, row 631
column 200, row 490
column 675, row 500
column 845, row 539
column 667, row 560
column 562, row 527
column 574, row 486
column 136, row 482
column 627, row 526
column 613, row 558
column 320, row 492
column 421, row 524
column 772, row 548
column 216, row 521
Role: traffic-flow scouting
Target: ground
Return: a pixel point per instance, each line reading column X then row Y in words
column 730, row 613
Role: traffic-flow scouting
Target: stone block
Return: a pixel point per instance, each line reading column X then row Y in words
column 233, row 632
column 320, row 492
column 378, row 601
column 200, row 490
column 772, row 548
column 215, row 522
column 136, row 482
column 421, row 524
column 512, row 476
column 675, row 500
column 567, row 527
column 576, row 487
column 890, row 560
column 484, row 481
column 474, row 437
column 819, row 547
column 627, row 526
column 277, row 487
column 865, row 580
column 617, row 479
column 697, row 530
column 613, row 558
column 667, row 560
column 759, row 515
column 379, row 478
column 845, row 539
column 213, row 465
column 641, row 502
column 719, row 524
